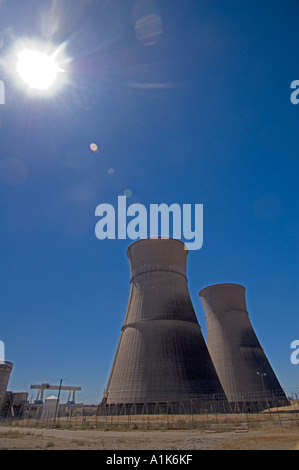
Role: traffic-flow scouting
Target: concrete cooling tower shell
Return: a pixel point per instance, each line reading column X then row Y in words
column 241, row 364
column 5, row 371
column 161, row 355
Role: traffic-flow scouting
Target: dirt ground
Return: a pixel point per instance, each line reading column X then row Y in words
column 61, row 439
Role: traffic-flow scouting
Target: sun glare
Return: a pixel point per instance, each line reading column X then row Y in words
column 37, row 69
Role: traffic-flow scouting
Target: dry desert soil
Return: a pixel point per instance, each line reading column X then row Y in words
column 62, row 439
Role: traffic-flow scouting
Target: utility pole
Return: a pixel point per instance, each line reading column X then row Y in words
column 58, row 399
column 262, row 375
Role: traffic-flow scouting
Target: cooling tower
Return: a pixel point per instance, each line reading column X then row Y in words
column 161, row 355
column 241, row 364
column 5, row 370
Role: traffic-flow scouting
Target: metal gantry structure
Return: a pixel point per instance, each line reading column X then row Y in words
column 46, row 386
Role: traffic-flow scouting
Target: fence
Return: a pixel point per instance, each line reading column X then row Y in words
column 202, row 404
column 211, row 413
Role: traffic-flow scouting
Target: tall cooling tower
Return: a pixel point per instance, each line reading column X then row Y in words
column 241, row 364
column 161, row 355
column 5, row 370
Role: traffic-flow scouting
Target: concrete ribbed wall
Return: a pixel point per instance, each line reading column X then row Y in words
column 233, row 345
column 161, row 355
column 5, row 370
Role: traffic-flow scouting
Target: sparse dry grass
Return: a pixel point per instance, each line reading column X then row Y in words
column 57, row 439
column 269, row 439
column 262, row 431
column 14, row 434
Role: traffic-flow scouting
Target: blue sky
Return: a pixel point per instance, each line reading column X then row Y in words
column 192, row 107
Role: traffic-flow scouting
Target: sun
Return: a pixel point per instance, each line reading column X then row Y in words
column 37, row 69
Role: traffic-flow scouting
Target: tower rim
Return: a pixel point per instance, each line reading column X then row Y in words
column 157, row 238
column 224, row 284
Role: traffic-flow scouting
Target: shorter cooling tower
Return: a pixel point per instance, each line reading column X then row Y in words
column 161, row 355
column 241, row 364
column 5, row 370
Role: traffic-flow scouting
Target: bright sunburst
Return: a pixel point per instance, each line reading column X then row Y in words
column 37, row 69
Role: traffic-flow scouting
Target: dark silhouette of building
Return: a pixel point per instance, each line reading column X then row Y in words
column 5, row 371
column 161, row 356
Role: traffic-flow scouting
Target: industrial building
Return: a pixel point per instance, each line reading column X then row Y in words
column 5, row 371
column 16, row 404
column 161, row 356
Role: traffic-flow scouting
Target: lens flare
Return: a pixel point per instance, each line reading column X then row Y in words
column 128, row 193
column 37, row 67
column 94, row 148
column 38, row 70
